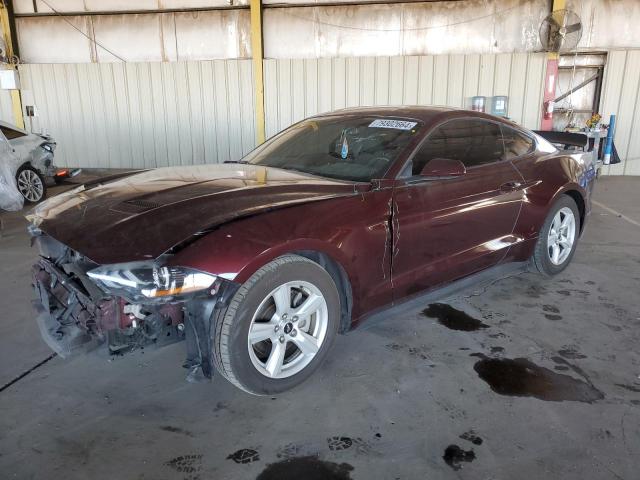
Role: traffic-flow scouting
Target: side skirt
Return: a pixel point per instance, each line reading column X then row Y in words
column 421, row 300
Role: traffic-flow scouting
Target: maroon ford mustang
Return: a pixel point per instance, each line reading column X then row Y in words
column 259, row 263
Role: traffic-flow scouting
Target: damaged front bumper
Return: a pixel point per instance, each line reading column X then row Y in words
column 74, row 315
column 69, row 318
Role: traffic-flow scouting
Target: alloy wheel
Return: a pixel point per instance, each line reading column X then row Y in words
column 288, row 329
column 561, row 237
column 30, row 185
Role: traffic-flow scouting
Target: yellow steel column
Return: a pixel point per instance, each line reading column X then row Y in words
column 16, row 101
column 257, row 53
column 557, row 5
column 551, row 79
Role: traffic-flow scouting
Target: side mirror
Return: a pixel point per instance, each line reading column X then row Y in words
column 443, row 167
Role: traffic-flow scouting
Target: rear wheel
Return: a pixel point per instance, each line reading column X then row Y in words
column 279, row 326
column 30, row 183
column 558, row 237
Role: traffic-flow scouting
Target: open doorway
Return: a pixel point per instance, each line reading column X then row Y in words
column 578, row 89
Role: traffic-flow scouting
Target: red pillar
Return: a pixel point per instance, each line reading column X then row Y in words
column 549, row 93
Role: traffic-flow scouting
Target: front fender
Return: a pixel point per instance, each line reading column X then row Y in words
column 235, row 256
column 352, row 231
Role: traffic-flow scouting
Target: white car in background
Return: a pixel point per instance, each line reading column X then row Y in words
column 32, row 161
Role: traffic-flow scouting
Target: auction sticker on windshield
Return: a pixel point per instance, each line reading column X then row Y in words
column 397, row 124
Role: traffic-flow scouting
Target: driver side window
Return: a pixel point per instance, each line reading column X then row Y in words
column 472, row 141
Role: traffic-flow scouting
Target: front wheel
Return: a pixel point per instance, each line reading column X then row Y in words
column 278, row 327
column 30, row 184
column 558, row 237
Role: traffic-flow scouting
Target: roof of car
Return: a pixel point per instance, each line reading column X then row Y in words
column 423, row 113
column 426, row 114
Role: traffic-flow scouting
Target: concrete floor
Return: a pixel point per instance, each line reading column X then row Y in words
column 388, row 403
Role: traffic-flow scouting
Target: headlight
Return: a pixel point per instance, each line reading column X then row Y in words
column 47, row 147
column 140, row 281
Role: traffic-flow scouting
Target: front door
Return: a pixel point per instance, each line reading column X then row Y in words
column 445, row 229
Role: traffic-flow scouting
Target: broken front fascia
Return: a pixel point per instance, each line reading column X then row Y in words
column 125, row 305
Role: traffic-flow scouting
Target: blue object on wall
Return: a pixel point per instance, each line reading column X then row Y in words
column 608, row 146
column 500, row 105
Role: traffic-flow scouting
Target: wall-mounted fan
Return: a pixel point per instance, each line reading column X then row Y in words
column 560, row 31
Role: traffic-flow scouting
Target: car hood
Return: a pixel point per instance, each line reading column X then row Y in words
column 26, row 144
column 142, row 216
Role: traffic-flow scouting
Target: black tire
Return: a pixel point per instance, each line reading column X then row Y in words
column 541, row 258
column 230, row 339
column 20, row 183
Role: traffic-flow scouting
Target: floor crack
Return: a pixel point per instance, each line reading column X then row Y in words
column 24, row 374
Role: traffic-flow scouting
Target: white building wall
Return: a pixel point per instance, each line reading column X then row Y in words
column 473, row 26
column 320, row 58
column 144, row 115
column 322, row 31
column 6, row 109
column 295, row 89
column 398, row 28
column 65, row 6
column 608, row 24
column 620, row 95
column 149, row 37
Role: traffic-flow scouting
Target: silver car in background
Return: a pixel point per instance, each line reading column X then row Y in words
column 32, row 161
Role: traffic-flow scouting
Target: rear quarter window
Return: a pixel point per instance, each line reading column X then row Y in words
column 516, row 143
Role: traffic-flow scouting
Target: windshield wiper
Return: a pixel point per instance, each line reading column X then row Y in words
column 236, row 161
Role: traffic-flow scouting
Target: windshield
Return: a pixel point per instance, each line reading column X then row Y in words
column 10, row 133
column 346, row 148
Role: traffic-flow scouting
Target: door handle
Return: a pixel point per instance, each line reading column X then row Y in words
column 510, row 186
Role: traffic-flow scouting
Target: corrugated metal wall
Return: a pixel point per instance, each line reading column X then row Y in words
column 403, row 28
column 6, row 110
column 325, row 31
column 315, row 30
column 295, row 89
column 620, row 95
column 144, row 115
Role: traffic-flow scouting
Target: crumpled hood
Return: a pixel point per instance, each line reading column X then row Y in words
column 26, row 144
column 142, row 216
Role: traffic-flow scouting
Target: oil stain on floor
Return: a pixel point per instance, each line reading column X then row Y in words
column 453, row 318
column 454, row 456
column 522, row 378
column 307, row 468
